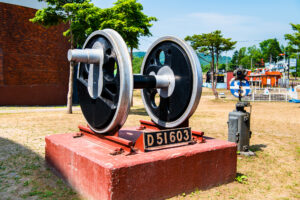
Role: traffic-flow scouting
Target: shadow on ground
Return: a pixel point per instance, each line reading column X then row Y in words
column 257, row 147
column 24, row 175
column 138, row 111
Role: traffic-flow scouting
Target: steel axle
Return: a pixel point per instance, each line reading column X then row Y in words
column 170, row 81
column 94, row 56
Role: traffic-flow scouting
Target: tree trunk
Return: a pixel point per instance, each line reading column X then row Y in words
column 71, row 79
column 217, row 63
column 131, row 53
column 70, row 91
column 216, row 80
column 213, row 82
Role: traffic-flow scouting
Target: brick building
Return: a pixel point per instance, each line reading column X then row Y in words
column 33, row 64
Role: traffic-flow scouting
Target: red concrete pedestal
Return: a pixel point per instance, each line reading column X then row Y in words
column 96, row 172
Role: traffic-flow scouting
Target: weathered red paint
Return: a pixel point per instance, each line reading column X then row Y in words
column 132, row 140
column 97, row 173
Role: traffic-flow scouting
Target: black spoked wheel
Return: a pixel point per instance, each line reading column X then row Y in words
column 105, row 89
column 172, row 108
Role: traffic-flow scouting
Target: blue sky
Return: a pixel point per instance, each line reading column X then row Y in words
column 247, row 22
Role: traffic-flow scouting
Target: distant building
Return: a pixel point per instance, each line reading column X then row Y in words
column 221, row 77
column 33, row 63
column 264, row 78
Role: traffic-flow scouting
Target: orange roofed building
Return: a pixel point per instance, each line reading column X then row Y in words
column 264, row 78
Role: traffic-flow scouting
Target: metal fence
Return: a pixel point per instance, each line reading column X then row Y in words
column 268, row 94
column 284, row 83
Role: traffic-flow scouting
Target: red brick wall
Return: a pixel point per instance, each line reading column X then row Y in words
column 1, row 68
column 34, row 68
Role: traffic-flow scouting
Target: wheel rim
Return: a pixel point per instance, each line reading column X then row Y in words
column 108, row 112
column 190, row 59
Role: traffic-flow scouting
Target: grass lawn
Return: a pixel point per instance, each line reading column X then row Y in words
column 273, row 174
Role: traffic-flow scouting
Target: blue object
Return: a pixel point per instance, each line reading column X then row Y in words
column 218, row 86
column 235, row 87
column 294, row 101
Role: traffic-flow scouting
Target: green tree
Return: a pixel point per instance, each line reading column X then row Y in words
column 231, row 67
column 127, row 18
column 222, row 66
column 80, row 17
column 205, row 68
column 136, row 64
column 255, row 56
column 246, row 62
column 294, row 39
column 214, row 44
column 247, row 57
column 241, row 55
column 270, row 49
column 252, row 57
column 294, row 45
column 235, row 57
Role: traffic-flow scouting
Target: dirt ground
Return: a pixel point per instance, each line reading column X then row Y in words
column 274, row 173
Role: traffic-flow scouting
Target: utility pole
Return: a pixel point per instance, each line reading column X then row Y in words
column 297, row 60
column 251, row 63
column 288, row 67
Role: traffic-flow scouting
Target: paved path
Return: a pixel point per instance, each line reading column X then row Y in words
column 28, row 109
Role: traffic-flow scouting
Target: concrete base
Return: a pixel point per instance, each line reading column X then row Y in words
column 92, row 169
column 247, row 153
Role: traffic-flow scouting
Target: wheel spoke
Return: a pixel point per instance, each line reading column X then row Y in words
column 108, row 102
column 168, row 57
column 84, row 82
column 109, row 93
column 163, row 108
